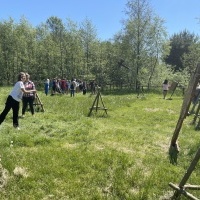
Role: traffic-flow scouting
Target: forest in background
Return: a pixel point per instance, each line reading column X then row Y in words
column 141, row 52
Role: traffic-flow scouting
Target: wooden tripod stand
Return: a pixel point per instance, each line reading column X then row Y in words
column 95, row 105
column 37, row 102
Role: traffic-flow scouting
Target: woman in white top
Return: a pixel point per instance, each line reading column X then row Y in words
column 14, row 99
column 165, row 87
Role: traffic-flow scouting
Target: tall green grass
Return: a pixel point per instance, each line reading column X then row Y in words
column 64, row 154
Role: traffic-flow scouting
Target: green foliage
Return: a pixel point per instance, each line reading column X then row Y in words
column 142, row 41
column 56, row 48
column 191, row 59
column 180, row 44
column 63, row 154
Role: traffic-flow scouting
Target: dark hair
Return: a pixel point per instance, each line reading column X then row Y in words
column 165, row 81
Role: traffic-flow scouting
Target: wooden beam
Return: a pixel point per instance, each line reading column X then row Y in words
column 180, row 191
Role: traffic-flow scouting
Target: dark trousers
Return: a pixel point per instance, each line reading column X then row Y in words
column 72, row 91
column 26, row 101
column 11, row 103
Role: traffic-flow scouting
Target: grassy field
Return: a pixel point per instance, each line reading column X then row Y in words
column 64, row 154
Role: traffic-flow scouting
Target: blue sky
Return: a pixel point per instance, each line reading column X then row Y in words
column 106, row 15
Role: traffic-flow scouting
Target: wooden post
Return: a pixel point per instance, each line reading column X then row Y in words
column 186, row 104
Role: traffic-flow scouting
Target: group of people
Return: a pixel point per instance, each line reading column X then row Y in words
column 65, row 86
column 24, row 89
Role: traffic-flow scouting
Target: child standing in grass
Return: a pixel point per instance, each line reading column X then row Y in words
column 165, row 87
column 14, row 99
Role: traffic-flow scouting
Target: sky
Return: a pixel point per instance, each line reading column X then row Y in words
column 105, row 15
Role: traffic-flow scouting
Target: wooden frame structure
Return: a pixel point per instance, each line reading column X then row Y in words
column 37, row 102
column 174, row 149
column 182, row 187
column 95, row 105
column 186, row 104
column 173, row 88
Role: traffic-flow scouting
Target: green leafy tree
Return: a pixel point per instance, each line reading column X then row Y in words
column 74, row 53
column 142, row 40
column 88, row 38
column 57, row 31
column 180, row 44
column 191, row 58
column 7, row 51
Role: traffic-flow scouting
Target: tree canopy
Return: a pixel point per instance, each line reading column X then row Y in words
column 57, row 48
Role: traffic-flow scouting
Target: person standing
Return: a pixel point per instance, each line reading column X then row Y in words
column 92, row 86
column 28, row 98
column 72, row 87
column 165, row 87
column 63, row 85
column 14, row 98
column 53, row 91
column 46, row 86
column 84, row 87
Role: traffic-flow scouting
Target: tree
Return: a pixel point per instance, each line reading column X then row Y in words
column 180, row 44
column 191, row 58
column 142, row 40
column 74, row 53
column 57, row 31
column 7, row 46
column 88, row 37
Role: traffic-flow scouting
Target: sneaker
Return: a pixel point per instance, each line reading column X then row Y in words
column 17, row 127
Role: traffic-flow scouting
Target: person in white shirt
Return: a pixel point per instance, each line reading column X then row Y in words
column 165, row 87
column 14, row 99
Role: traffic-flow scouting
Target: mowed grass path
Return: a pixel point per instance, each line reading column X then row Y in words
column 64, row 154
